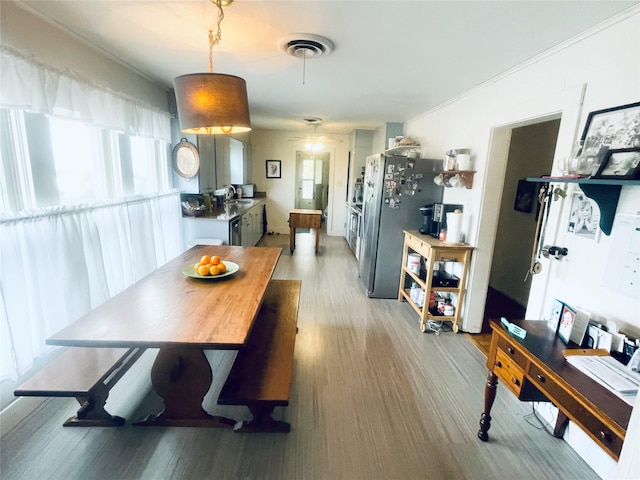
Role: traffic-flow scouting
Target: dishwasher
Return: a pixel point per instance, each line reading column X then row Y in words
column 234, row 232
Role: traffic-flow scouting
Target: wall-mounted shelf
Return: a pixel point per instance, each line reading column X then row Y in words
column 402, row 150
column 465, row 175
column 605, row 192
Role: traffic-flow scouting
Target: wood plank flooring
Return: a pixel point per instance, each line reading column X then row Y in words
column 373, row 398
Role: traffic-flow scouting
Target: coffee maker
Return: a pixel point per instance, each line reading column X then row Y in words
column 435, row 217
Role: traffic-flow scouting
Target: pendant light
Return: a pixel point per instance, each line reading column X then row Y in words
column 210, row 103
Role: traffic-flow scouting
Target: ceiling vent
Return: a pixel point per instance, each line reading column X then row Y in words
column 305, row 45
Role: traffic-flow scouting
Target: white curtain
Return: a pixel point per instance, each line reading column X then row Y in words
column 58, row 264
column 27, row 85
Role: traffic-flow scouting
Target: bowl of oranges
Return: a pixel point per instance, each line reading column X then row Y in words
column 210, row 267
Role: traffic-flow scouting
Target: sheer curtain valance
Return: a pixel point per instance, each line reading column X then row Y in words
column 27, row 85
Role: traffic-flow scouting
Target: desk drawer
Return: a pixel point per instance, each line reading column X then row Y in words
column 517, row 357
column 507, row 370
column 585, row 419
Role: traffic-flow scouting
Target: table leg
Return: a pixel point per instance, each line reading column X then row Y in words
column 317, row 239
column 489, row 397
column 292, row 238
column 182, row 377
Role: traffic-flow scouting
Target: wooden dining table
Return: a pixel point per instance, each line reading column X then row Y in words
column 183, row 317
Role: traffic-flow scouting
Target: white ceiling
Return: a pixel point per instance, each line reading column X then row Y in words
column 392, row 60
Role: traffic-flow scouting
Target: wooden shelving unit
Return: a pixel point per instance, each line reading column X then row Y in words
column 432, row 250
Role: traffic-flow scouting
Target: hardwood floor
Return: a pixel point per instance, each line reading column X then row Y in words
column 497, row 305
column 373, row 398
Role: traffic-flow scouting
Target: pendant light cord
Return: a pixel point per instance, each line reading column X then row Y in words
column 214, row 40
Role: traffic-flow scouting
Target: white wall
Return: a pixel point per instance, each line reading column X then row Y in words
column 281, row 194
column 606, row 61
column 38, row 39
column 605, row 64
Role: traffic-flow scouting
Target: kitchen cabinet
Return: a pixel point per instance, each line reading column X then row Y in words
column 416, row 287
column 251, row 227
column 201, row 227
column 242, row 217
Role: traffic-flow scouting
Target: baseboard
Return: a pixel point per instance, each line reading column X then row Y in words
column 17, row 411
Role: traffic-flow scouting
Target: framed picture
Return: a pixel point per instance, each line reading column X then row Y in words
column 525, row 194
column 567, row 317
column 621, row 164
column 614, row 128
column 554, row 317
column 273, row 169
column 584, row 217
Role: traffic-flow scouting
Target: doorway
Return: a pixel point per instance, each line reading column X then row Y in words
column 530, row 154
column 312, row 187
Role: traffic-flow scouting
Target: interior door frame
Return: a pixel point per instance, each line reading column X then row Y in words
column 325, row 157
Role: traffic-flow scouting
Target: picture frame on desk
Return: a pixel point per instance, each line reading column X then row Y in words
column 554, row 317
column 567, row 319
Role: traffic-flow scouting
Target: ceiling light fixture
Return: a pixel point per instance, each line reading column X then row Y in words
column 210, row 103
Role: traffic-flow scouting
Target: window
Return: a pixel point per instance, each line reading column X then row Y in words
column 49, row 161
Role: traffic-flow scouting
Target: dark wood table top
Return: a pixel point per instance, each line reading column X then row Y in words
column 168, row 308
column 547, row 348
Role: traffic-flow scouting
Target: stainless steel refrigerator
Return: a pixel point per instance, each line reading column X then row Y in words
column 394, row 190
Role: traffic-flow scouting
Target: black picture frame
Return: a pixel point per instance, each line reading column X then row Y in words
column 614, row 128
column 621, row 164
column 273, row 168
column 525, row 195
column 567, row 319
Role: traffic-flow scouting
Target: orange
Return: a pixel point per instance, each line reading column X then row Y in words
column 205, row 259
column 215, row 260
column 214, row 270
column 222, row 267
column 203, row 270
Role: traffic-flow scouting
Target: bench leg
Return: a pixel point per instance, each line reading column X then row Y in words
column 92, row 412
column 262, row 421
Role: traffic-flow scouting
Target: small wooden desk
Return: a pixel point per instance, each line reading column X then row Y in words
column 535, row 369
column 301, row 218
column 182, row 316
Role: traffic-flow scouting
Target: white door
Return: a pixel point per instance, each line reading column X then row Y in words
column 309, row 178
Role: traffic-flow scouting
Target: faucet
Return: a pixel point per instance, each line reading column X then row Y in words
column 229, row 194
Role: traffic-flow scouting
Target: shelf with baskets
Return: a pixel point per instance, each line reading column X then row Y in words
column 419, row 280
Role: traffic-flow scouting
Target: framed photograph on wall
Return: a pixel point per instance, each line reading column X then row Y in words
column 621, row 164
column 273, row 169
column 614, row 128
column 584, row 217
column 525, row 195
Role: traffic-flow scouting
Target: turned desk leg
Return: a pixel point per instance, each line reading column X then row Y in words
column 489, row 397
column 292, row 238
column 317, row 239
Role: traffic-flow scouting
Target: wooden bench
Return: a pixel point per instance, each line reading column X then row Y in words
column 260, row 377
column 86, row 374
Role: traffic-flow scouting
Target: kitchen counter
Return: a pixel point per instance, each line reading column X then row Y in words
column 238, row 222
column 230, row 210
